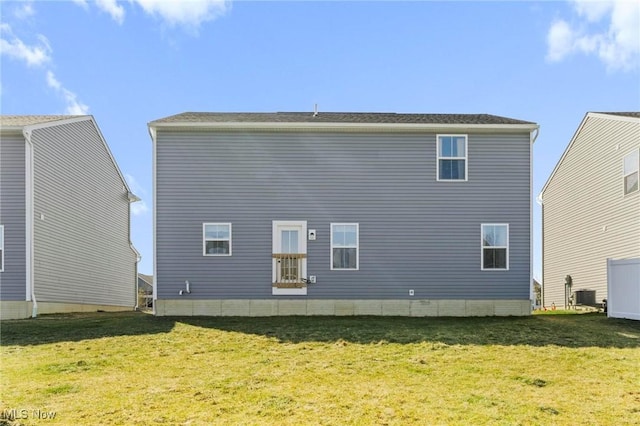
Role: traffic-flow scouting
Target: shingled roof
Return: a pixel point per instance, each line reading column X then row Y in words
column 336, row 117
column 623, row 114
column 28, row 120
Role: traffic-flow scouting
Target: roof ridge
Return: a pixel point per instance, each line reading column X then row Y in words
column 340, row 117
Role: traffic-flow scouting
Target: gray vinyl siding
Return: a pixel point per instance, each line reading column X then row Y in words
column 81, row 220
column 584, row 196
column 12, row 216
column 415, row 233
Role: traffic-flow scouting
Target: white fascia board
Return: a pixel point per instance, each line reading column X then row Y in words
column 135, row 251
column 389, row 127
column 132, row 197
column 9, row 130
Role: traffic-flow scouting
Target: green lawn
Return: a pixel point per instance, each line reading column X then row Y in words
column 133, row 368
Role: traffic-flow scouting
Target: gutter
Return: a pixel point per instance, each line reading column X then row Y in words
column 27, row 132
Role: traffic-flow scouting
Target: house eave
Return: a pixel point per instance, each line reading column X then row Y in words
column 11, row 129
column 135, row 251
column 341, row 127
column 133, row 198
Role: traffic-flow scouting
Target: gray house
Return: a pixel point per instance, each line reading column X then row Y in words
column 342, row 214
column 591, row 206
column 64, row 219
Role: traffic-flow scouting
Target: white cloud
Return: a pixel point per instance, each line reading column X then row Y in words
column 593, row 10
column 37, row 54
column 52, row 81
column 74, row 106
column 134, row 186
column 33, row 55
column 140, row 207
column 608, row 29
column 560, row 40
column 112, row 8
column 188, row 13
column 25, row 10
column 82, row 3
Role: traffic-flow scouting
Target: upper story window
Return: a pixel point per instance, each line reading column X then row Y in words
column 345, row 242
column 495, row 246
column 452, row 158
column 1, row 248
column 631, row 171
column 216, row 239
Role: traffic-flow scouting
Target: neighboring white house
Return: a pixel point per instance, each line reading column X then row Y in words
column 64, row 219
column 591, row 206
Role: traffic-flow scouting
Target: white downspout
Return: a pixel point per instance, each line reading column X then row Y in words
column 532, row 138
column 29, row 221
column 154, row 259
column 133, row 199
column 138, row 259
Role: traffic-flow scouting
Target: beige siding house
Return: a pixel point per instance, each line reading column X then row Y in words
column 591, row 206
column 64, row 219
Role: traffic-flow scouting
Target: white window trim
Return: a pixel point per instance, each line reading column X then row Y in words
column 357, row 247
column 466, row 158
column 624, row 177
column 482, row 247
column 2, row 248
column 204, row 239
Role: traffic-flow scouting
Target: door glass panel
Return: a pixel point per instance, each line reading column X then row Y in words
column 289, row 241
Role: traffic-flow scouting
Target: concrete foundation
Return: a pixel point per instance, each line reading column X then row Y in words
column 23, row 309
column 285, row 307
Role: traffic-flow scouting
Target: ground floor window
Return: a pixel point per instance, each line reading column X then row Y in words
column 495, row 246
column 345, row 246
column 216, row 239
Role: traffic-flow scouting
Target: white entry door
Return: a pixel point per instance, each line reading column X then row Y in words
column 289, row 257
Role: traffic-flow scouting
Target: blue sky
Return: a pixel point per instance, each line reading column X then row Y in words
column 134, row 61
